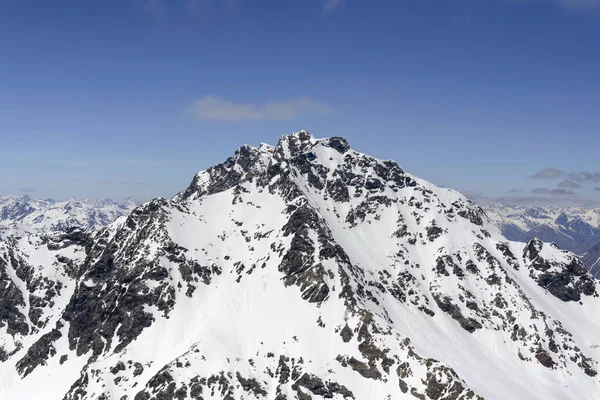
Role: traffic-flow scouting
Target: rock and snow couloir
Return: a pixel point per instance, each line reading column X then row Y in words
column 304, row 270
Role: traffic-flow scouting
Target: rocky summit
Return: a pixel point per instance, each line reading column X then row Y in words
column 304, row 270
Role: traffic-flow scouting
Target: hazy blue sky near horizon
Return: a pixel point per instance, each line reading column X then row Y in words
column 131, row 98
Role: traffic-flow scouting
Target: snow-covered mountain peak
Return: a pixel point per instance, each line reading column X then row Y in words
column 304, row 270
column 289, row 145
column 329, row 160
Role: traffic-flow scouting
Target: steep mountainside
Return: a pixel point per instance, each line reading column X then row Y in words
column 22, row 214
column 592, row 260
column 304, row 270
column 576, row 229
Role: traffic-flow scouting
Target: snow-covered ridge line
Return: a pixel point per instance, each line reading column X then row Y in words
column 304, row 270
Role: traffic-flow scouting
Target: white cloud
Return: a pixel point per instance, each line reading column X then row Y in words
column 330, row 5
column 218, row 109
column 585, row 176
column 565, row 201
column 548, row 173
column 569, row 184
column 559, row 192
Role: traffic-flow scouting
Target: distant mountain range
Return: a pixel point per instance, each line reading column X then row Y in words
column 23, row 214
column 576, row 229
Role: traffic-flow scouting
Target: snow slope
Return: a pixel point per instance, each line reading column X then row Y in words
column 304, row 270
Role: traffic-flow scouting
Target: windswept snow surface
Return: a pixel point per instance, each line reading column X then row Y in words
column 304, row 270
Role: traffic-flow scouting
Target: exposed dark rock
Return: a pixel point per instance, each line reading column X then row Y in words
column 339, row 144
column 11, row 301
column 544, row 358
column 346, row 333
column 39, row 352
column 251, row 385
column 471, row 212
column 443, row 384
column 446, row 305
column 433, row 232
column 364, row 369
column 319, row 388
column 567, row 282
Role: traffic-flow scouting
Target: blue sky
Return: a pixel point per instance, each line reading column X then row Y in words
column 121, row 98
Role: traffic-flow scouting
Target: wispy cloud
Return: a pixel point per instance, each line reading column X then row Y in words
column 566, row 201
column 472, row 194
column 560, row 192
column 540, row 197
column 218, row 109
column 572, row 177
column 330, row 5
column 26, row 189
column 88, row 162
column 123, row 183
column 548, row 173
column 585, row 176
column 93, row 162
column 568, row 184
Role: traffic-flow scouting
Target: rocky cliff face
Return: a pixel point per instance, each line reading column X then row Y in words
column 304, row 270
